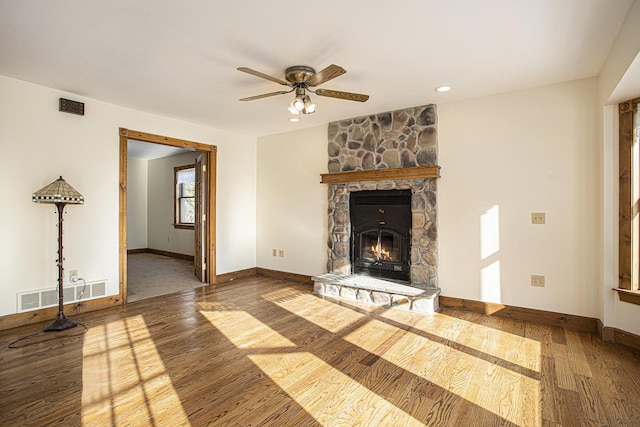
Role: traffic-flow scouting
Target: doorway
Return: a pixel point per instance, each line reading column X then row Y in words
column 204, row 227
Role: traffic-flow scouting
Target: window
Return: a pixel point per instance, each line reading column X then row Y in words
column 629, row 201
column 184, row 196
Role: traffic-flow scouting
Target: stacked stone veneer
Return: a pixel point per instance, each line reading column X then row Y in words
column 397, row 139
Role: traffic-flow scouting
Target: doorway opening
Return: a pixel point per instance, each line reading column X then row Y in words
column 195, row 244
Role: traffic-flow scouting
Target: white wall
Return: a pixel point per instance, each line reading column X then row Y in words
column 137, row 203
column 524, row 152
column 292, row 204
column 162, row 234
column 39, row 143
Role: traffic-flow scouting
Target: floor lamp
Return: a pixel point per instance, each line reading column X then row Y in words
column 60, row 194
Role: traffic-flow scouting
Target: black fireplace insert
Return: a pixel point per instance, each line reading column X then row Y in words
column 381, row 233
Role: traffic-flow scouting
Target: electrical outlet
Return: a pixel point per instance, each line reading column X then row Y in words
column 537, row 218
column 281, row 253
column 537, row 280
column 274, row 252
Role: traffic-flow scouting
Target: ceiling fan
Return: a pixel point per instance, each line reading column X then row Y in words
column 301, row 78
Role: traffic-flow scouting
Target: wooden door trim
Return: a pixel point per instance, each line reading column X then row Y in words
column 208, row 150
column 210, row 224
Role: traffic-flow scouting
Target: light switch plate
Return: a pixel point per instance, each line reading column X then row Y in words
column 537, row 280
column 538, row 218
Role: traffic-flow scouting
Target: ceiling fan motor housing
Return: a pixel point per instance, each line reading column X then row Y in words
column 298, row 74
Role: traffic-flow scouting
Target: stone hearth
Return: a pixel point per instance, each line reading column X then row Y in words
column 393, row 146
column 377, row 291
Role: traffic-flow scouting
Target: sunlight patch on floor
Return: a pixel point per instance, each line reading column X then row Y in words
column 474, row 374
column 126, row 376
column 483, row 338
column 327, row 397
column 306, row 306
column 255, row 333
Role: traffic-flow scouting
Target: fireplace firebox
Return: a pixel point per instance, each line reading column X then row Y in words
column 381, row 233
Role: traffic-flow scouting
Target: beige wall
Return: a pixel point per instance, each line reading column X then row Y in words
column 162, row 235
column 517, row 153
column 39, row 143
column 137, row 203
column 292, row 204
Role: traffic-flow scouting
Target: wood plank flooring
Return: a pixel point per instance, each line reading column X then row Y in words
column 267, row 352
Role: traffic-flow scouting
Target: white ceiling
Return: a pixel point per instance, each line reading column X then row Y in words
column 150, row 151
column 179, row 58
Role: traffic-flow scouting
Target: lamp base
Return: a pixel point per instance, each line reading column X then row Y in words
column 60, row 324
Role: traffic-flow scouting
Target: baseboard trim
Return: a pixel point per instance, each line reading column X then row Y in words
column 626, row 339
column 49, row 314
column 283, row 275
column 619, row 337
column 567, row 321
column 159, row 252
column 137, row 251
column 259, row 271
column 240, row 274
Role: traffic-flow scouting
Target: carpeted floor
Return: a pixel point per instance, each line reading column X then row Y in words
column 150, row 275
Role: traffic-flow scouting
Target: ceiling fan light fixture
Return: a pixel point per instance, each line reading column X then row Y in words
column 293, row 109
column 309, row 106
column 298, row 103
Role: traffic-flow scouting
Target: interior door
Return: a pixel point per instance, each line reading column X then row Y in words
column 200, row 225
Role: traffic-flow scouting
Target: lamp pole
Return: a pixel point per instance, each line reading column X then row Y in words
column 62, row 322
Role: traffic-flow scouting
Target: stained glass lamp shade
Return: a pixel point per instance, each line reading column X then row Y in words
column 59, row 193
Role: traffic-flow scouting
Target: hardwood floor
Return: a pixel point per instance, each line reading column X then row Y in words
column 266, row 352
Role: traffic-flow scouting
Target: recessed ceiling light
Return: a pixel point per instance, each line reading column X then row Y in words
column 443, row 89
column 294, row 119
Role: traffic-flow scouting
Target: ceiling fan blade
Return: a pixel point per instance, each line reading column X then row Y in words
column 263, row 75
column 342, row 95
column 266, row 95
column 331, row 72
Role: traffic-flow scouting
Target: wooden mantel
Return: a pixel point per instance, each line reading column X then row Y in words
column 415, row 172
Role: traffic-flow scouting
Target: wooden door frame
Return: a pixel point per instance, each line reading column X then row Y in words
column 207, row 150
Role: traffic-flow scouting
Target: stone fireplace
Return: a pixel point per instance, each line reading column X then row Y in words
column 385, row 154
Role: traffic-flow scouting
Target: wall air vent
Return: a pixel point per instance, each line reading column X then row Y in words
column 48, row 297
column 73, row 107
column 43, row 298
column 98, row 289
column 29, row 301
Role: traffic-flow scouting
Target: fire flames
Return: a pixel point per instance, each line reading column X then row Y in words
column 379, row 252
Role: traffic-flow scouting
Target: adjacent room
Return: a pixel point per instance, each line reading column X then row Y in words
column 261, row 213
column 160, row 220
